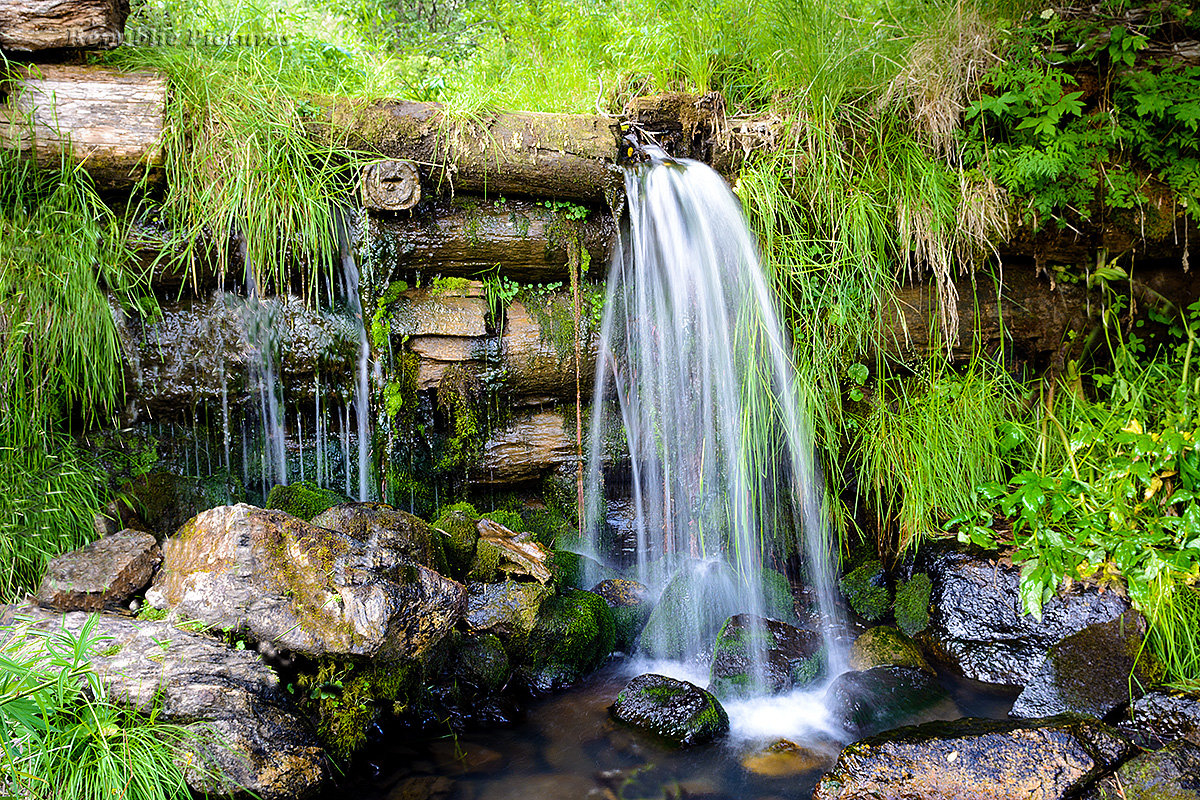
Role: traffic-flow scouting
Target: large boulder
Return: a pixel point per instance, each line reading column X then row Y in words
column 882, row 698
column 509, row 610
column 389, row 534
column 979, row 628
column 1089, row 671
column 630, row 604
column 790, row 656
column 104, row 574
column 274, row 578
column 679, row 711
column 245, row 725
column 574, row 634
column 971, row 759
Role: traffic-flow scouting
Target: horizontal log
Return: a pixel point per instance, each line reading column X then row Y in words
column 110, row 122
column 563, row 156
column 527, row 241
column 30, row 25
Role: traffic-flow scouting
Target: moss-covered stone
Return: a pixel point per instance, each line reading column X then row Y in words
column 788, row 653
column 303, row 499
column 866, row 589
column 778, row 600
column 912, row 604
column 574, row 634
column 1172, row 773
column 577, row 571
column 678, row 711
column 166, row 501
column 345, row 699
column 630, row 604
column 885, row 646
column 478, row 663
column 509, row 519
column 458, row 522
column 509, row 610
column 484, row 568
column 392, row 536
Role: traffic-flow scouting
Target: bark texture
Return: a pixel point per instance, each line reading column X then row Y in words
column 30, row 25
column 111, row 122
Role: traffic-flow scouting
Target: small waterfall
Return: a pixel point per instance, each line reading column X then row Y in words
column 362, row 397
column 721, row 458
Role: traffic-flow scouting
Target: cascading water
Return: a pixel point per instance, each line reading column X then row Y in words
column 720, row 456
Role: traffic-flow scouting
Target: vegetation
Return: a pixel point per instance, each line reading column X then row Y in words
column 61, row 737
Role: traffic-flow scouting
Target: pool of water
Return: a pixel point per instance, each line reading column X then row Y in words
column 567, row 747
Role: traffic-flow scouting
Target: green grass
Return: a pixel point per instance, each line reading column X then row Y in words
column 61, row 737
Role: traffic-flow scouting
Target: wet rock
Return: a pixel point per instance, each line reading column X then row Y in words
column 303, row 499
column 884, row 646
column 530, row 446
column 1165, row 716
column 509, row 610
column 911, row 606
column 458, row 526
column 792, row 656
column 784, row 759
column 679, row 711
column 972, row 759
column 478, row 665
column 518, row 555
column 389, row 534
column 882, row 698
column 223, row 695
column 1088, row 672
column 700, row 596
column 166, row 501
column 573, row 635
column 576, row 570
column 978, row 626
column 422, row 787
column 1172, row 773
column 104, row 574
column 275, row 578
column 630, row 604
column 866, row 589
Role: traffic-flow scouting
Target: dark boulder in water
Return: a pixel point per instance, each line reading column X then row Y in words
column 970, row 759
column 978, row 625
column 679, row 711
column 1089, row 671
column 791, row 656
column 882, row 698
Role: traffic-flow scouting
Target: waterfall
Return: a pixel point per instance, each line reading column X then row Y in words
column 362, row 398
column 698, row 370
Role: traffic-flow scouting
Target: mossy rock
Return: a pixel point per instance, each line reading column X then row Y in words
column 630, row 604
column 390, row 534
column 678, row 711
column 510, row 610
column 574, row 634
column 885, row 646
column 882, row 698
column 485, row 567
column 577, row 571
column 459, row 523
column 700, row 596
column 792, row 657
column 1172, row 773
column 866, row 589
column 478, row 663
column 344, row 699
column 508, row 519
column 303, row 499
column 912, row 604
column 778, row 601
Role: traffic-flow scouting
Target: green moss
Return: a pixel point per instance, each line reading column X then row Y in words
column 912, row 604
column 885, row 646
column 509, row 519
column 458, row 522
column 151, row 614
column 574, row 634
column 303, row 499
column 866, row 590
column 778, row 602
column 345, row 699
column 486, row 563
column 480, row 661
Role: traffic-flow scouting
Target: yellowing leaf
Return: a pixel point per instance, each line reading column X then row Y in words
column 1133, row 427
column 1155, row 485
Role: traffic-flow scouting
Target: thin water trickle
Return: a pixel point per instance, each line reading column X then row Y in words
column 362, row 400
column 693, row 357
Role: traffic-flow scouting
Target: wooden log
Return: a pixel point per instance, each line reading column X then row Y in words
column 30, row 25
column 470, row 237
column 111, row 122
column 563, row 156
column 391, row 185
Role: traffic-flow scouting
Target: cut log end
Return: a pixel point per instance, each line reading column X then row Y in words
column 33, row 25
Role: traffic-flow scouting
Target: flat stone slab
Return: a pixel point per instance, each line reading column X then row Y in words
column 104, row 574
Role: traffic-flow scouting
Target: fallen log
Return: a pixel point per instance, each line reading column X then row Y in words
column 561, row 156
column 470, row 237
column 110, row 122
column 30, row 25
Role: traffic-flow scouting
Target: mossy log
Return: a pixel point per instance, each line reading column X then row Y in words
column 30, row 25
column 111, row 122
column 562, row 156
column 469, row 238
